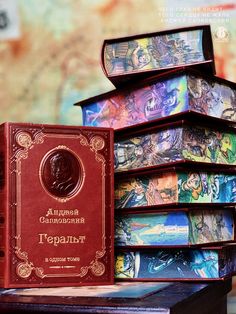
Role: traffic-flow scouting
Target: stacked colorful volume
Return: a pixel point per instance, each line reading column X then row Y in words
column 175, row 156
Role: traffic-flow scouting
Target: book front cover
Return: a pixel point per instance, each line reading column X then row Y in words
column 61, row 220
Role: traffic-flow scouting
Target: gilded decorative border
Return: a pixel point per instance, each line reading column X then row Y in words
column 25, row 267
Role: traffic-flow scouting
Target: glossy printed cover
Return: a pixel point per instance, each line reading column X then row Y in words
column 131, row 57
column 57, row 224
column 176, row 264
column 174, row 143
column 174, row 228
column 162, row 97
column 167, row 187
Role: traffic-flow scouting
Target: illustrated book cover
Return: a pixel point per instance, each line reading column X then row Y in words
column 142, row 55
column 56, row 205
column 175, row 186
column 211, row 263
column 162, row 97
column 189, row 227
column 176, row 142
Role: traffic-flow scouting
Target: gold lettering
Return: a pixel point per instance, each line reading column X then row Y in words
column 62, row 212
column 73, row 259
column 45, row 220
column 62, row 259
column 56, row 240
column 40, row 238
column 49, row 212
column 80, row 220
column 57, row 259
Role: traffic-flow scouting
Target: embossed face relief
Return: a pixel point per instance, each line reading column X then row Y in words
column 61, row 173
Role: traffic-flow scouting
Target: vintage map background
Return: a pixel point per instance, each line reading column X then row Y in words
column 52, row 59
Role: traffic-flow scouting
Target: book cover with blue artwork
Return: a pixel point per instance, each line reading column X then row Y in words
column 174, row 228
column 176, row 264
column 162, row 97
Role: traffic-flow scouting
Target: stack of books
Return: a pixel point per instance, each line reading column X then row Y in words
column 175, row 156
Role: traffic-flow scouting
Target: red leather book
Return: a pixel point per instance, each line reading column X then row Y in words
column 56, row 205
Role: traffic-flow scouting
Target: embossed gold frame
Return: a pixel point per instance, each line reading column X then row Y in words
column 25, row 267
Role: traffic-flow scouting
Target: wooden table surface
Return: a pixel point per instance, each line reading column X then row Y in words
column 185, row 297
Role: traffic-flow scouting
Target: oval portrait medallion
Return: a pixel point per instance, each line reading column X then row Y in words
column 61, row 173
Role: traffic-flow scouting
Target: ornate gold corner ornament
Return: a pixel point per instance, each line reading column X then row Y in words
column 24, row 139
column 98, row 268
column 24, row 268
column 97, row 143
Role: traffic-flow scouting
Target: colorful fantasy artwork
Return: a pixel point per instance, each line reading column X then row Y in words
column 170, row 264
column 174, row 228
column 161, row 98
column 136, row 106
column 43, row 89
column 175, row 144
column 157, row 52
column 175, row 187
column 211, row 98
column 146, row 191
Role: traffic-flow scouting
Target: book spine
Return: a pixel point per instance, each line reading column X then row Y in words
column 2, row 206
